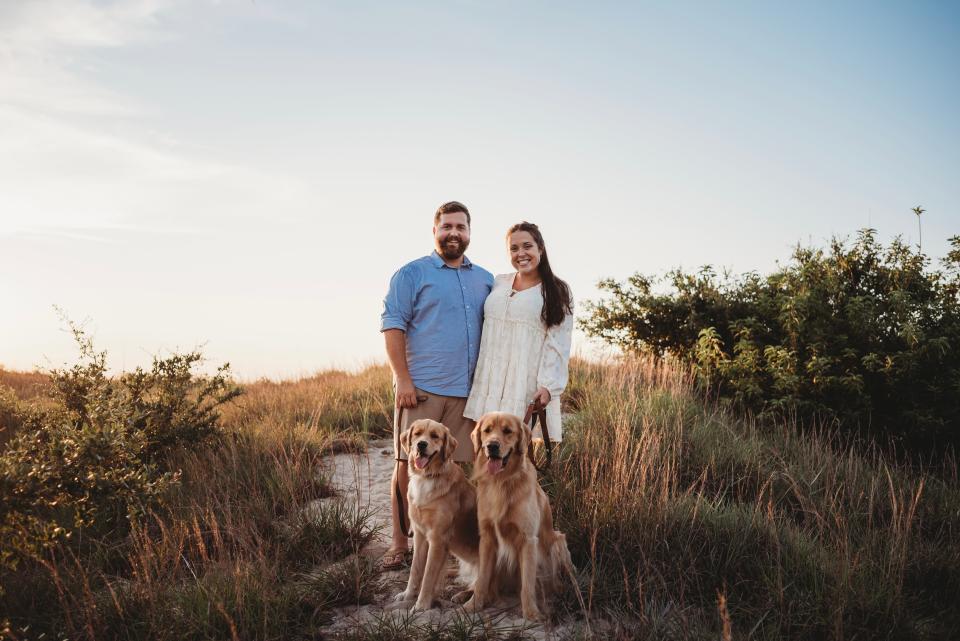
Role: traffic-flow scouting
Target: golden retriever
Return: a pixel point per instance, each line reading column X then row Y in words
column 443, row 512
column 516, row 524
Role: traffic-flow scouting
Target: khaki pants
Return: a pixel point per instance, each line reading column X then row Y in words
column 443, row 409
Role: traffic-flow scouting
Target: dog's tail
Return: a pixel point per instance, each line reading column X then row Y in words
column 560, row 557
column 467, row 573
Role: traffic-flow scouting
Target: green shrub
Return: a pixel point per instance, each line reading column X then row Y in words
column 858, row 332
column 95, row 457
column 10, row 414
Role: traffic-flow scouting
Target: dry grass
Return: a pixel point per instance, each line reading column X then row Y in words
column 342, row 407
column 685, row 523
column 669, row 502
column 32, row 387
column 247, row 546
column 25, row 385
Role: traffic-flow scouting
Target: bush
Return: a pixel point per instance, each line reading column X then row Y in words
column 860, row 333
column 95, row 457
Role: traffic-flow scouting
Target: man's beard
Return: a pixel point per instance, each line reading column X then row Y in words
column 453, row 252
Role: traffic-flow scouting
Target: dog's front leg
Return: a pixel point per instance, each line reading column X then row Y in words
column 487, row 565
column 436, row 558
column 528, row 578
column 416, row 567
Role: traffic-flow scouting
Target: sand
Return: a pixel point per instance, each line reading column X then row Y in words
column 365, row 479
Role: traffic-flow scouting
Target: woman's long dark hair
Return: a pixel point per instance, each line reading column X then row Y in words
column 556, row 293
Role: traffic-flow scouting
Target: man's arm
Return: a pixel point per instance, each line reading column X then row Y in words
column 396, row 340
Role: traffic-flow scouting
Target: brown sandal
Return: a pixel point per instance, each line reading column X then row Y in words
column 393, row 560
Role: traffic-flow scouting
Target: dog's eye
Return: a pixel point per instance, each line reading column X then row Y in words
column 507, row 430
column 486, row 430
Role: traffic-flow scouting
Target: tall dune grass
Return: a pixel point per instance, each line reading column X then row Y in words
column 350, row 407
column 248, row 544
column 686, row 522
column 239, row 553
column 672, row 506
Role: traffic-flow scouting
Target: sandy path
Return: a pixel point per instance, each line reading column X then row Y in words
column 365, row 478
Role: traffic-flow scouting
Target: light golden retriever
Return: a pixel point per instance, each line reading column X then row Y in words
column 443, row 512
column 516, row 524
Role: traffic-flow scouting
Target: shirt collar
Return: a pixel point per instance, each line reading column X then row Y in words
column 438, row 262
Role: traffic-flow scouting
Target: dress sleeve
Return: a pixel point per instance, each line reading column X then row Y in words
column 556, row 357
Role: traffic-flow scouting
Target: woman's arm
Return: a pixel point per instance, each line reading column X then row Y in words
column 552, row 373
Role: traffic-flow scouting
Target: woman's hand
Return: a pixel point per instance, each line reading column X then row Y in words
column 542, row 395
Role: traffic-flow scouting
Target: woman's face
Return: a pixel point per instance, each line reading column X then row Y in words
column 524, row 252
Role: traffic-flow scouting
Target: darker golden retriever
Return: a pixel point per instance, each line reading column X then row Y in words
column 443, row 512
column 516, row 524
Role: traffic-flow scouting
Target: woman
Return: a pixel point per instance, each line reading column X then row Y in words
column 525, row 344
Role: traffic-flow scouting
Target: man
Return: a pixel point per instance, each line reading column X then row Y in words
column 431, row 322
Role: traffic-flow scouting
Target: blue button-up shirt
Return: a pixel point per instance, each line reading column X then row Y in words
column 441, row 311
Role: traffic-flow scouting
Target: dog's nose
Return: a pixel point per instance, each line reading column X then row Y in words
column 493, row 449
column 421, row 446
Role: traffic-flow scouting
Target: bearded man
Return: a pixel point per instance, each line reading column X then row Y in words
column 431, row 322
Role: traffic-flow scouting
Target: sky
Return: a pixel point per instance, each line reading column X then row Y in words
column 244, row 177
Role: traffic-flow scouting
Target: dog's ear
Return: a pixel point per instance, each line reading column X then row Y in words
column 475, row 435
column 443, row 445
column 526, row 436
column 449, row 445
column 405, row 441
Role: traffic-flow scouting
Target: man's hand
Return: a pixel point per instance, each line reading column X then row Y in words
column 542, row 395
column 406, row 393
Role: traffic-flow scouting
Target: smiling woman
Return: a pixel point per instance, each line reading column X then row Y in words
column 525, row 344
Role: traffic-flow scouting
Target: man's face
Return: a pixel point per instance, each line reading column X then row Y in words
column 451, row 235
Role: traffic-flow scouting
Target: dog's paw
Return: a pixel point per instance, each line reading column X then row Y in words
column 472, row 605
column 403, row 596
column 533, row 614
column 462, row 596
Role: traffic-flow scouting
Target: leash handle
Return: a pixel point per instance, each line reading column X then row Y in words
column 537, row 410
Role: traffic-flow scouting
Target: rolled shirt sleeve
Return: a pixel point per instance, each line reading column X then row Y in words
column 398, row 303
column 555, row 357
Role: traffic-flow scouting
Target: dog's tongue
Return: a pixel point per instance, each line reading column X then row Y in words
column 494, row 465
column 422, row 461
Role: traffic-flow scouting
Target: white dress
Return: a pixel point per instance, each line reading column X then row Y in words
column 518, row 355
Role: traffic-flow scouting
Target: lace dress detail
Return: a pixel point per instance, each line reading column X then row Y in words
column 518, row 354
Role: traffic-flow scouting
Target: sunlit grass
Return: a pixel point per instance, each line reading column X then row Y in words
column 336, row 408
column 671, row 506
column 250, row 544
column 685, row 522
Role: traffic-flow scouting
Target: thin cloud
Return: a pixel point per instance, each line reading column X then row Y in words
column 40, row 41
column 78, row 157
column 42, row 26
column 109, row 235
column 61, row 175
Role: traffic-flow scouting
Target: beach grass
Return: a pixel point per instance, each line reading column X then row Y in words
column 684, row 520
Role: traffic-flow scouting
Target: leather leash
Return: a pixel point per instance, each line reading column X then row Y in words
column 396, row 483
column 535, row 411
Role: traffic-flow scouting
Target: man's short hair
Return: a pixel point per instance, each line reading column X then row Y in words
column 451, row 207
